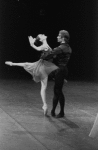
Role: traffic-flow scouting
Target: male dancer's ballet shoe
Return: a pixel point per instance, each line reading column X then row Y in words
column 45, row 110
column 53, row 114
column 60, row 115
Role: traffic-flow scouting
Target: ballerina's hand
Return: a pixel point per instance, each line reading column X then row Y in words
column 8, row 63
column 31, row 40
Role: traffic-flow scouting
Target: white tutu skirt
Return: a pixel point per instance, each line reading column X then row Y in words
column 40, row 69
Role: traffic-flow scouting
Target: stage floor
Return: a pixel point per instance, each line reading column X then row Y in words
column 23, row 125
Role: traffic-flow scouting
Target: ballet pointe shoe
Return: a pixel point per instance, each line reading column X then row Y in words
column 45, row 108
column 8, row 63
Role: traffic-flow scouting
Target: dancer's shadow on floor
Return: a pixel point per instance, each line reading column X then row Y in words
column 62, row 120
column 68, row 123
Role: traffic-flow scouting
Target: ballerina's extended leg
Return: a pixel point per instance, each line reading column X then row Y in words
column 43, row 83
column 19, row 64
column 15, row 64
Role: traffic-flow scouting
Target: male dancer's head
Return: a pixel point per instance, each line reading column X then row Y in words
column 63, row 36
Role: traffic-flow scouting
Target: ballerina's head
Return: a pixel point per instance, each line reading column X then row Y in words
column 41, row 37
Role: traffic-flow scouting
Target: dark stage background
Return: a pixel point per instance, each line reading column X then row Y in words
column 19, row 19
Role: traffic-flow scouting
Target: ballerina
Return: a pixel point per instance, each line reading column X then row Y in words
column 39, row 69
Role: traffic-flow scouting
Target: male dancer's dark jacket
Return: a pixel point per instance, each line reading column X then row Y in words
column 61, row 56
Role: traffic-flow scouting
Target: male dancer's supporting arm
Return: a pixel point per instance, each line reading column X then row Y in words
column 52, row 54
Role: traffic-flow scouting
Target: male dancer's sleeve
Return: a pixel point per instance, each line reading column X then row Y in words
column 55, row 52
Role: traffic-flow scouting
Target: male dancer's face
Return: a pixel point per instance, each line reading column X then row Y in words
column 59, row 38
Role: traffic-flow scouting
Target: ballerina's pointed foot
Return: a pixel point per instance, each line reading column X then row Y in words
column 45, row 108
column 8, row 63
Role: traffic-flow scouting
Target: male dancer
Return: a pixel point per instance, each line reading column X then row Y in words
column 61, row 56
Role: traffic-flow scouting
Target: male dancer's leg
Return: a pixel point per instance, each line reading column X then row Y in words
column 62, row 76
column 55, row 101
column 61, row 96
column 58, row 94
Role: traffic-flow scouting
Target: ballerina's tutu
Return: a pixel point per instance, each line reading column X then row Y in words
column 40, row 69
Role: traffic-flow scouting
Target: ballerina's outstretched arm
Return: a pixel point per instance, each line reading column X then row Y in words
column 17, row 64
